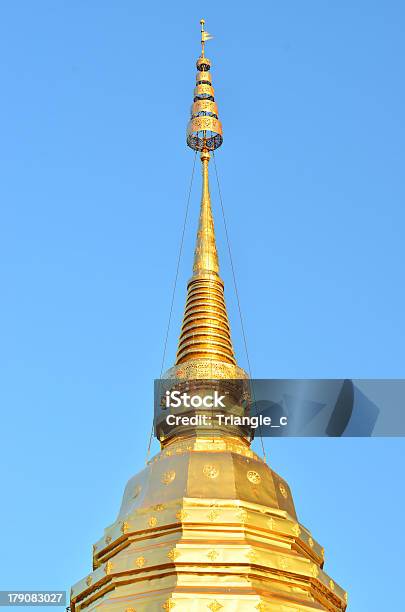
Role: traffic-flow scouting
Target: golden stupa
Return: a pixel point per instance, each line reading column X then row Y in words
column 207, row 525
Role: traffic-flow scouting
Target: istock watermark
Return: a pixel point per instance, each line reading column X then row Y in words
column 177, row 399
column 279, row 407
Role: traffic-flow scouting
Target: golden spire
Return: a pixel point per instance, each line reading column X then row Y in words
column 205, row 256
column 205, row 333
column 207, row 524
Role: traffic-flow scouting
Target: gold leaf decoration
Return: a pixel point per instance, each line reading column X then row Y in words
column 89, row 580
column 310, row 542
column 152, row 522
column 168, row 477
column 251, row 555
column 213, row 554
column 297, row 530
column 210, row 471
column 124, row 526
column 130, row 610
column 254, row 477
column 315, row 570
column 261, row 607
column 108, row 567
column 283, row 490
column 215, row 606
column 159, row 507
column 169, row 604
column 140, row 562
column 181, row 515
column 213, row 515
column 173, row 554
column 332, row 584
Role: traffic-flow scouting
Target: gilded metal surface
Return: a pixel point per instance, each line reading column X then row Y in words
column 203, row 76
column 204, row 123
column 229, row 540
column 205, row 332
column 207, row 90
column 207, row 524
column 203, row 62
column 204, row 132
column 206, row 368
column 168, row 477
column 207, row 106
column 253, row 477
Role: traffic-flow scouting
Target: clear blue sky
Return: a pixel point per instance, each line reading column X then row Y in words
column 94, row 175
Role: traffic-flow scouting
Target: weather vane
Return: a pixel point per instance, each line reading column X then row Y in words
column 204, row 36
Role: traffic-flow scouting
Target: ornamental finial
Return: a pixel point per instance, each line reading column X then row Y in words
column 204, row 130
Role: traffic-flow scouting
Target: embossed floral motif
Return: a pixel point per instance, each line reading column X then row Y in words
column 214, row 606
column 152, row 522
column 108, row 539
column 169, row 604
column 261, row 607
column 213, row 515
column 140, row 561
column 173, row 554
column 315, row 570
column 283, row 490
column 297, row 530
column 124, row 526
column 181, row 515
column 254, row 477
column 89, row 580
column 332, row 584
column 251, row 555
column 310, row 542
column 108, row 567
column 213, row 554
column 130, row 610
column 210, row 471
column 168, row 477
column 158, row 507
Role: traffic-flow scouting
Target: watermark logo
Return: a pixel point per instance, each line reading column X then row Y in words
column 280, row 407
column 177, row 399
